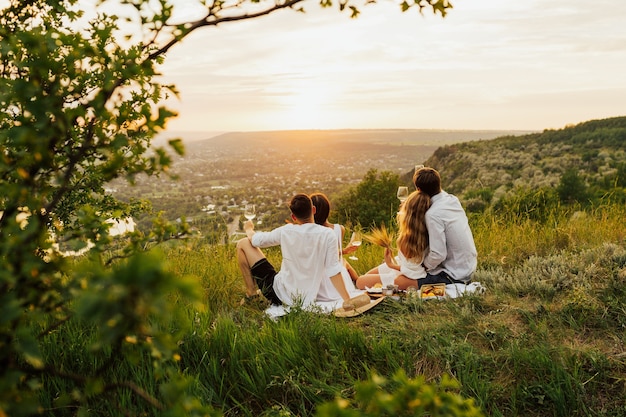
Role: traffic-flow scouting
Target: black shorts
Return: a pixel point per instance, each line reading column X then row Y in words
column 440, row 278
column 263, row 273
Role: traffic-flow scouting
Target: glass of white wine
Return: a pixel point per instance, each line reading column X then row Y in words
column 249, row 211
column 403, row 193
column 355, row 240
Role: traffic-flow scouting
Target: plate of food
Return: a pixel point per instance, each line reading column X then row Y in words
column 376, row 289
column 433, row 291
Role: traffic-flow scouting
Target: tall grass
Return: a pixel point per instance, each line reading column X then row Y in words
column 506, row 242
column 547, row 339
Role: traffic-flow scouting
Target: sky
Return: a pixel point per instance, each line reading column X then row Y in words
column 489, row 64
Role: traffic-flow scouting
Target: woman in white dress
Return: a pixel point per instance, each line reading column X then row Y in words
column 322, row 211
column 405, row 269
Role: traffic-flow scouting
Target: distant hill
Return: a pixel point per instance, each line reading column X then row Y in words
column 287, row 139
column 220, row 171
column 187, row 137
column 594, row 150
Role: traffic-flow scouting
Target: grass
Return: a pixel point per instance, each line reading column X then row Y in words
column 547, row 339
column 507, row 243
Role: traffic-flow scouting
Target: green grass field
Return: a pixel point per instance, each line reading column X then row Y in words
column 548, row 338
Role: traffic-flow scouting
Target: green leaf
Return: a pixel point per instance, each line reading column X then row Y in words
column 29, row 347
column 178, row 146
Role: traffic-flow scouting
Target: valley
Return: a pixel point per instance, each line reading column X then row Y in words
column 219, row 174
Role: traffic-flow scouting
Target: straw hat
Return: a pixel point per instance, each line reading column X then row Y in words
column 361, row 304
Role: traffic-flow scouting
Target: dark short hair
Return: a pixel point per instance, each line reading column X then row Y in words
column 301, row 206
column 427, row 180
column 322, row 207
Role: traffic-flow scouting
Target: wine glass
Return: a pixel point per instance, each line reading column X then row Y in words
column 249, row 211
column 403, row 193
column 355, row 240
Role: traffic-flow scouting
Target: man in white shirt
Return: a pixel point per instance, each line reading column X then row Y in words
column 451, row 256
column 309, row 256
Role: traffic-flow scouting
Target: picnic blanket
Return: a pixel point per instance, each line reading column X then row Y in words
column 327, row 307
column 457, row 290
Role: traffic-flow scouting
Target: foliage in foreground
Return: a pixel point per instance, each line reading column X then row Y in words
column 78, row 109
column 401, row 396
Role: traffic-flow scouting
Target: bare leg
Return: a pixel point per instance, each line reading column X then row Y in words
column 248, row 255
column 353, row 274
column 373, row 271
column 403, row 282
column 368, row 280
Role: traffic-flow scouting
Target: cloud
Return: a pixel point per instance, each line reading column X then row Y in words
column 489, row 64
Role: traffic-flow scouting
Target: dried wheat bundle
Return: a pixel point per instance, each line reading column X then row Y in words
column 380, row 236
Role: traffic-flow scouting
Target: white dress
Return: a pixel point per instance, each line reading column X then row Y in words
column 410, row 268
column 327, row 291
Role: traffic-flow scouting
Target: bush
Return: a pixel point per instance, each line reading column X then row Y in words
column 528, row 204
column 372, row 202
column 401, row 396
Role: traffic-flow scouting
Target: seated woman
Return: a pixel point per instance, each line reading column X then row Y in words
column 405, row 269
column 322, row 211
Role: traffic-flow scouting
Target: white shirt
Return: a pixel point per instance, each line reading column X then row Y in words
column 451, row 244
column 310, row 256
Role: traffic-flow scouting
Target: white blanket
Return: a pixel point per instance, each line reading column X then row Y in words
column 457, row 290
column 327, row 307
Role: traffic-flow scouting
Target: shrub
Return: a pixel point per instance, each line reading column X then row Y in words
column 400, row 396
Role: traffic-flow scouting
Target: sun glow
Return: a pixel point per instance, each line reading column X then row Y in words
column 310, row 107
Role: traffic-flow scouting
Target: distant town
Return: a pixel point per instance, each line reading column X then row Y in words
column 218, row 175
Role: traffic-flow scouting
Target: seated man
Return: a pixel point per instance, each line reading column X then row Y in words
column 451, row 256
column 309, row 253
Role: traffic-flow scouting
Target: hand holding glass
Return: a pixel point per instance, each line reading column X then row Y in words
column 249, row 212
column 355, row 240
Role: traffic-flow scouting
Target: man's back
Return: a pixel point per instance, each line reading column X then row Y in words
column 310, row 255
column 451, row 244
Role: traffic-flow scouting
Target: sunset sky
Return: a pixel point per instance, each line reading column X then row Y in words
column 489, row 64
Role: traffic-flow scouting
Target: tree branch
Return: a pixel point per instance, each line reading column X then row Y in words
column 206, row 21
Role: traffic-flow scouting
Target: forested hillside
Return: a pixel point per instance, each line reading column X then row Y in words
column 582, row 164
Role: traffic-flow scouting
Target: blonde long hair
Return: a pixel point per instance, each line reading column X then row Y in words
column 412, row 235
